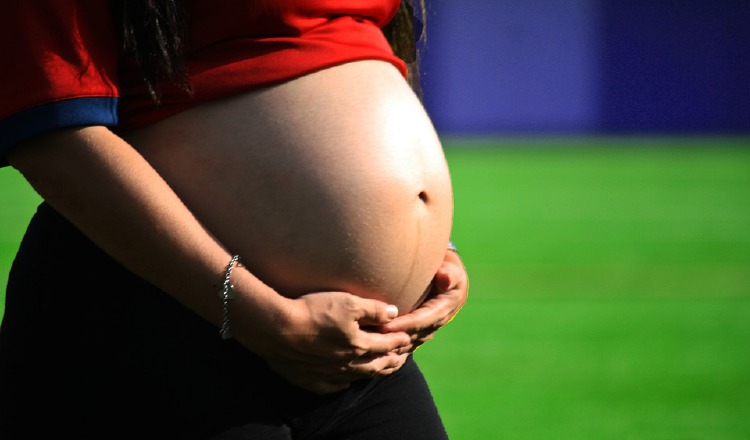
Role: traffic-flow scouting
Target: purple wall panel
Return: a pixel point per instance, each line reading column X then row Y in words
column 540, row 66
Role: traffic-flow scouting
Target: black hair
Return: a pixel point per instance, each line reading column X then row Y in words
column 153, row 33
column 404, row 33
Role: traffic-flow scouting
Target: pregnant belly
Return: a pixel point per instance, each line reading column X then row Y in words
column 333, row 181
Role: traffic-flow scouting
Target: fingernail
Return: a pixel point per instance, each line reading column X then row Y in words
column 391, row 311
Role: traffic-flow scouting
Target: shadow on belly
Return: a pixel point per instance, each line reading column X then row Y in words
column 390, row 256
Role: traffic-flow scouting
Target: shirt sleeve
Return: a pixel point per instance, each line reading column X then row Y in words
column 59, row 68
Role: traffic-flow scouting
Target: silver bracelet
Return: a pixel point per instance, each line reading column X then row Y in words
column 452, row 247
column 227, row 293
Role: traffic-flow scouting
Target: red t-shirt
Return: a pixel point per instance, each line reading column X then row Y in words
column 62, row 65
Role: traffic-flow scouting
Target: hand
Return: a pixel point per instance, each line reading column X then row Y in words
column 320, row 342
column 449, row 293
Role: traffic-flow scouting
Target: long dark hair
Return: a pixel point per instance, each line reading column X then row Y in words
column 153, row 33
column 405, row 32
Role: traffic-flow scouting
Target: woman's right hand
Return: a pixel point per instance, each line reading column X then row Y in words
column 325, row 340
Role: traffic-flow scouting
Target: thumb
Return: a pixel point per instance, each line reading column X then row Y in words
column 443, row 280
column 374, row 312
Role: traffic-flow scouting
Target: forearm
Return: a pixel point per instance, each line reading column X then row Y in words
column 103, row 186
column 114, row 196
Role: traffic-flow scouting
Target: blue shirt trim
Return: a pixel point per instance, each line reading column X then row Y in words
column 56, row 115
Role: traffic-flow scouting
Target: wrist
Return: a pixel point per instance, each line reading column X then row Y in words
column 227, row 293
column 258, row 312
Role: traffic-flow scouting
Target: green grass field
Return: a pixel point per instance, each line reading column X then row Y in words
column 610, row 289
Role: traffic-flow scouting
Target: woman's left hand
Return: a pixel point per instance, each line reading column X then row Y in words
column 450, row 288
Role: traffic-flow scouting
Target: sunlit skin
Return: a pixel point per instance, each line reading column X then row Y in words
column 333, row 181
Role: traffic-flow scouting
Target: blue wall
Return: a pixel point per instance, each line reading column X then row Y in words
column 586, row 66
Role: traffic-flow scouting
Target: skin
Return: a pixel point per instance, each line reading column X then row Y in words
column 345, row 187
column 122, row 195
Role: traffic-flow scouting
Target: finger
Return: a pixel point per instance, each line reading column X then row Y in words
column 388, row 370
column 419, row 319
column 433, row 313
column 380, row 365
column 316, row 378
column 372, row 343
column 444, row 279
column 448, row 277
column 373, row 312
column 341, row 374
column 329, row 378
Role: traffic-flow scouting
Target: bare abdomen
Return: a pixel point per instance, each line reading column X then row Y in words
column 333, row 181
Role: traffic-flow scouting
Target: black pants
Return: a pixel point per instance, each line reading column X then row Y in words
column 89, row 350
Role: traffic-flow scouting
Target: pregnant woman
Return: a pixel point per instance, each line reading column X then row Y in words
column 260, row 167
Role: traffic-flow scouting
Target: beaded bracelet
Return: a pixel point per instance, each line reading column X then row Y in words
column 227, row 293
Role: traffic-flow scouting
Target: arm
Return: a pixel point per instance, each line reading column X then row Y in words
column 111, row 193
